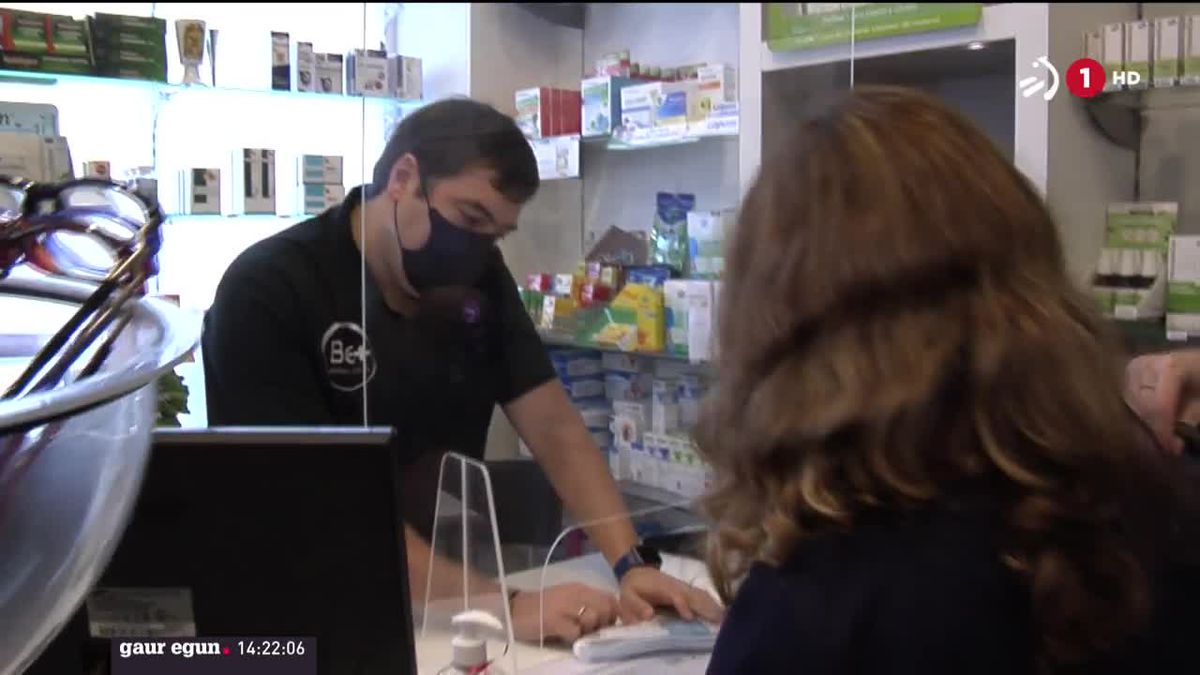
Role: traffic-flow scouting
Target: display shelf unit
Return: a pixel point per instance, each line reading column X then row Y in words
column 170, row 89
column 1121, row 116
column 560, row 341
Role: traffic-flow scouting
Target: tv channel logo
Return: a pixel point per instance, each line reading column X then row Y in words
column 1084, row 78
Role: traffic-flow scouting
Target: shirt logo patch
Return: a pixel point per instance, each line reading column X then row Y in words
column 349, row 361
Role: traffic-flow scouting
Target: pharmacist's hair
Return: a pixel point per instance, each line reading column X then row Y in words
column 456, row 134
column 897, row 326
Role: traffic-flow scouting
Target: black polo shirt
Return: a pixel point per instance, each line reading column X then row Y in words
column 283, row 344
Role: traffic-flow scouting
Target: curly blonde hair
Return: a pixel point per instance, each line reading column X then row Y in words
column 897, row 321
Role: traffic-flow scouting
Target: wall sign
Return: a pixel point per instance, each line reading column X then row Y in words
column 794, row 26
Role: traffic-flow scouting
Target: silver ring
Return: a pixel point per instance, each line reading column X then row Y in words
column 581, row 612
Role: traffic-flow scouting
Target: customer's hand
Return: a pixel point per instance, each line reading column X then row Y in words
column 644, row 588
column 571, row 610
column 1164, row 389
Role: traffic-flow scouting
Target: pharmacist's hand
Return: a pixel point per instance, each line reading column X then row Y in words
column 645, row 588
column 1164, row 389
column 571, row 610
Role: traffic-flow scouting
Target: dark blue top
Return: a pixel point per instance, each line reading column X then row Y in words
column 923, row 594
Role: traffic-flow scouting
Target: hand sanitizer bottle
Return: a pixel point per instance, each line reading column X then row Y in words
column 470, row 643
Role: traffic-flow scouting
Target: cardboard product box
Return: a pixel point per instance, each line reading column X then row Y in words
column 317, row 198
column 404, row 78
column 146, row 25
column 1093, row 45
column 1168, row 34
column 1191, row 51
column 38, row 33
column 1138, row 51
column 329, row 74
column 367, row 73
column 254, row 181
column 147, row 45
column 534, row 114
column 706, row 242
column 97, row 169
column 600, row 103
column 134, row 71
column 121, row 56
column 1183, row 287
column 717, row 84
column 281, row 66
column 200, row 191
column 567, row 112
column 1114, row 52
column 638, row 105
column 35, row 157
column 46, row 63
column 306, row 67
column 34, row 118
column 320, row 169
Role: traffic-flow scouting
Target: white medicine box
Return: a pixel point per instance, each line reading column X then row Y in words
column 254, row 181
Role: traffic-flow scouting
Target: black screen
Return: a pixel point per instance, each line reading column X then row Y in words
column 275, row 534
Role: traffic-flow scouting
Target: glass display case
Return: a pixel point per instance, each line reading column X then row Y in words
column 262, row 92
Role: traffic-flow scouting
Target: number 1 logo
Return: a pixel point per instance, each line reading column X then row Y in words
column 1086, row 78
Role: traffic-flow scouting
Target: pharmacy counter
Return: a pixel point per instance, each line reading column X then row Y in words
column 433, row 649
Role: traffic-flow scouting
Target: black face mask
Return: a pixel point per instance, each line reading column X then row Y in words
column 452, row 256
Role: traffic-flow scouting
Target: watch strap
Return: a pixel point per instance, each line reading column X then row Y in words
column 638, row 556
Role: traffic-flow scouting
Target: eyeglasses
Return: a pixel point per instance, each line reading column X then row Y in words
column 90, row 230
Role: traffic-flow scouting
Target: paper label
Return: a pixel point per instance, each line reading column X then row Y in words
column 141, row 612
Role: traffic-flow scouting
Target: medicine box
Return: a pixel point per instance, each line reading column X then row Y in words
column 706, row 243
column 306, row 67
column 329, row 74
column 1138, row 52
column 200, row 191
column 254, row 181
column 1183, row 287
column 600, row 99
column 717, row 85
column 547, row 111
column 575, row 362
column 97, row 169
column 1167, row 50
column 320, row 170
column 638, row 105
column 317, row 198
column 404, row 78
column 34, row 118
column 1191, row 53
column 1093, row 46
column 35, row 157
column 367, row 73
column 1114, row 51
column 281, row 66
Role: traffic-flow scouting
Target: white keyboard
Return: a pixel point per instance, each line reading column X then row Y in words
column 662, row 634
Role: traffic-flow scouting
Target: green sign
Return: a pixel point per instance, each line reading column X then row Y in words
column 789, row 28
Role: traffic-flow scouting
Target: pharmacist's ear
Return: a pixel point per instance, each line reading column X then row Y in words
column 404, row 179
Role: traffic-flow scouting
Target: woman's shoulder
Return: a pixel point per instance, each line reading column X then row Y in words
column 903, row 588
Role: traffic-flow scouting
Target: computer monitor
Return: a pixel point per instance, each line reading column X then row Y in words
column 266, row 532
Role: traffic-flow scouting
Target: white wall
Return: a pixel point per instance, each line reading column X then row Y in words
column 1086, row 171
column 620, row 187
column 511, row 49
column 1170, row 163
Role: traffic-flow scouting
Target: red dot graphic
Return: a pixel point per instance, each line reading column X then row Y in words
column 226, row 650
column 1085, row 78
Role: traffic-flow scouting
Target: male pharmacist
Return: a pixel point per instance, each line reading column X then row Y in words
column 447, row 338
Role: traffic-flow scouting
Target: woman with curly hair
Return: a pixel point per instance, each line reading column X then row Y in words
column 925, row 464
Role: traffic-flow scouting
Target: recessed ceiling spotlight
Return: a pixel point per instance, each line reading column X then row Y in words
column 975, row 46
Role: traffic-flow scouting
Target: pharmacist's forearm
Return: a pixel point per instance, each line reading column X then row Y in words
column 554, row 431
column 582, row 478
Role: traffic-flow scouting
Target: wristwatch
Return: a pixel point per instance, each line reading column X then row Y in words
column 638, row 556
